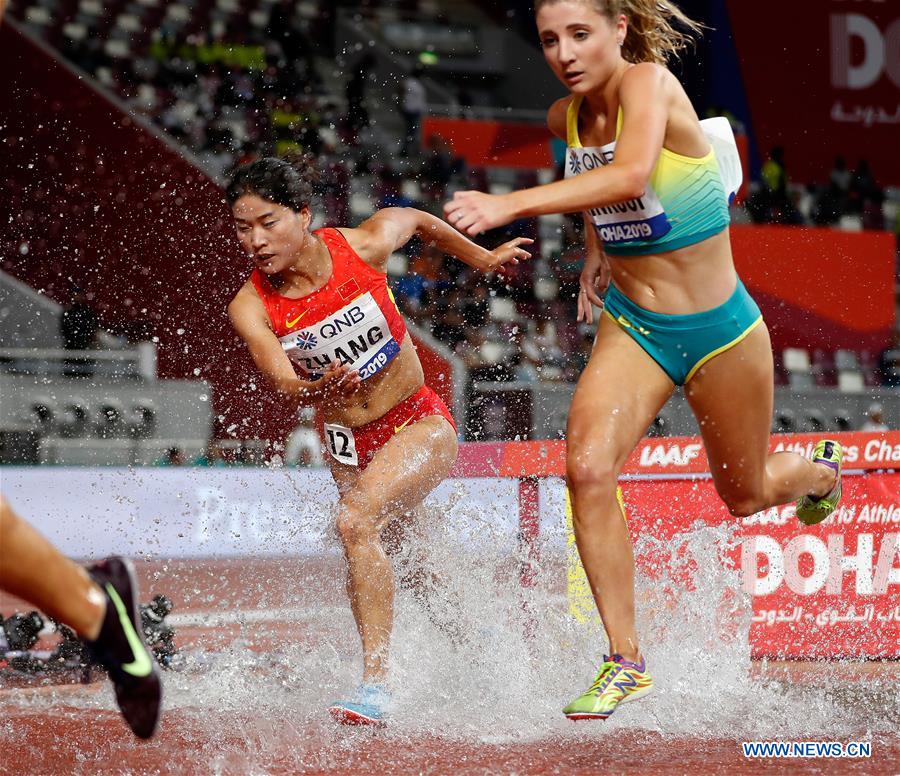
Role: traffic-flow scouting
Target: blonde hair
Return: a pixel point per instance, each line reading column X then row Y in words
column 652, row 33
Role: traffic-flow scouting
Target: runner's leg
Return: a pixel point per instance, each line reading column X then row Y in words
column 732, row 397
column 397, row 480
column 619, row 393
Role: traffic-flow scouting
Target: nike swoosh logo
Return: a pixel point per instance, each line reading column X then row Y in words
column 622, row 320
column 141, row 665
column 403, row 425
column 291, row 324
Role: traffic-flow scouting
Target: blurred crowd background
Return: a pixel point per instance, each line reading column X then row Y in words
column 225, row 81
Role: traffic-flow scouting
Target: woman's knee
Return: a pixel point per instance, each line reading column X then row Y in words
column 743, row 503
column 583, row 474
column 355, row 527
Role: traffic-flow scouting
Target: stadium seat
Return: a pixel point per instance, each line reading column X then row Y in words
column 397, row 265
column 361, row 206
column 503, row 309
column 74, row 419
column 492, row 352
column 546, row 289
column 129, row 23
column 91, row 7
column 111, row 419
column 814, row 421
column 117, row 49
column 846, row 360
column 178, row 12
column 851, row 382
column 796, row 360
column 38, row 15
column 74, row 31
column 784, row 422
column 142, row 421
column 801, row 381
column 411, row 189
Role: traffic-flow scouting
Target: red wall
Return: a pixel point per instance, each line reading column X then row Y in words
column 822, row 78
column 820, row 288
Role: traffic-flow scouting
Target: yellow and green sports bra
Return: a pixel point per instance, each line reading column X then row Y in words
column 686, row 199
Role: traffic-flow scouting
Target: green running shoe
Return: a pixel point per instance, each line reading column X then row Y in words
column 619, row 680
column 810, row 509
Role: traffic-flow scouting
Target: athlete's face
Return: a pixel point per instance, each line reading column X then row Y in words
column 581, row 45
column 273, row 236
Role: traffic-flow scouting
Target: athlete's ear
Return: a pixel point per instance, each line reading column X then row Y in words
column 305, row 217
column 621, row 29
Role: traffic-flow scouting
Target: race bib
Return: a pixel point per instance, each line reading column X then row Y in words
column 341, row 444
column 357, row 335
column 642, row 218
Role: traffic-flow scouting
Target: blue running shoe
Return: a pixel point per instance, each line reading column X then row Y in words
column 367, row 707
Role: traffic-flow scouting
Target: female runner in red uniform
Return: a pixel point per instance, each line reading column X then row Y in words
column 321, row 324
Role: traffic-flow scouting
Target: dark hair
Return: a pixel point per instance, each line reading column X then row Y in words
column 289, row 182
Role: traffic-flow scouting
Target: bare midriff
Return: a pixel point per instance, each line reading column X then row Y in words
column 399, row 380
column 690, row 280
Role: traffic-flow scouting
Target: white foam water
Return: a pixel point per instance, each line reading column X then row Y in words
column 484, row 660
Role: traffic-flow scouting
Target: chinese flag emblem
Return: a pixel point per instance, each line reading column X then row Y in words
column 349, row 290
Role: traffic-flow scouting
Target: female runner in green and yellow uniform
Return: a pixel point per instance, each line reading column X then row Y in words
column 653, row 183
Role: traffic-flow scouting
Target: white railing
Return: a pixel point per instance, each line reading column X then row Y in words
column 138, row 362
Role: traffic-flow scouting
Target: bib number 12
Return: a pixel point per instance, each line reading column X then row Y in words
column 341, row 444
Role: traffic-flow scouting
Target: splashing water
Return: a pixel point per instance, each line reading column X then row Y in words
column 479, row 659
column 463, row 667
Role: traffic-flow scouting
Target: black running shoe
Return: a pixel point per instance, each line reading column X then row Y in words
column 120, row 647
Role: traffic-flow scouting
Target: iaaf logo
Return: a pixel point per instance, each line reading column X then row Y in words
column 881, row 51
column 669, row 455
column 766, row 564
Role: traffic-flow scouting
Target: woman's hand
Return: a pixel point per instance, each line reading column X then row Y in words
column 595, row 277
column 334, row 387
column 508, row 253
column 473, row 212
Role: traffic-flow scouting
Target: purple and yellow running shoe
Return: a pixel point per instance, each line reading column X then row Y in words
column 812, row 510
column 619, row 680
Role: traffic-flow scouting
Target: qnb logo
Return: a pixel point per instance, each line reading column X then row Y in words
column 306, row 340
column 880, row 51
column 574, row 163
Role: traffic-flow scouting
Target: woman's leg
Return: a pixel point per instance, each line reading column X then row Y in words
column 33, row 569
column 397, row 480
column 732, row 397
column 619, row 393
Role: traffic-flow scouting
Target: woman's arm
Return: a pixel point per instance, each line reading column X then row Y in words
column 249, row 318
column 391, row 228
column 644, row 102
column 595, row 275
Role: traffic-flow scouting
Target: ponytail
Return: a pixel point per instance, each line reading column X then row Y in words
column 652, row 33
